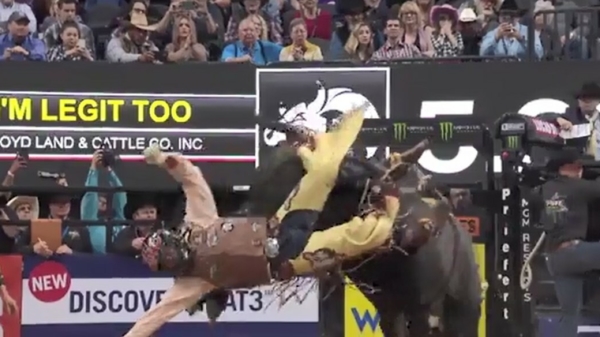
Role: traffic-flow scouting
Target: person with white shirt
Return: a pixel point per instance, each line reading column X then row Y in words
column 7, row 7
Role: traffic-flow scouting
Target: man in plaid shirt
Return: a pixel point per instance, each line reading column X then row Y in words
column 393, row 47
column 250, row 7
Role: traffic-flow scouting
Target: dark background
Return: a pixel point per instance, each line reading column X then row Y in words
column 497, row 88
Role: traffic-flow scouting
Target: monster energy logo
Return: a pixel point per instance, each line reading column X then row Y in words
column 512, row 142
column 446, row 129
column 400, row 131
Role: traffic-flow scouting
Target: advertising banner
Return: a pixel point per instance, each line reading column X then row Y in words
column 105, row 295
column 216, row 131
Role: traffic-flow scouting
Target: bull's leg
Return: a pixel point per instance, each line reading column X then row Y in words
column 322, row 165
column 460, row 320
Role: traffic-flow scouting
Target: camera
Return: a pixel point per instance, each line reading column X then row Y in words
column 109, row 158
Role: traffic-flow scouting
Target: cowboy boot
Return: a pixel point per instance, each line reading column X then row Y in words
column 322, row 163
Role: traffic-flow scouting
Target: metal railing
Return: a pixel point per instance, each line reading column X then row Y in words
column 565, row 34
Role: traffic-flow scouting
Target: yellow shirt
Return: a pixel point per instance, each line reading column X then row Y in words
column 313, row 53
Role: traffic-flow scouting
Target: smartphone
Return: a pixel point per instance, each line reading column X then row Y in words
column 188, row 5
column 81, row 43
column 23, row 154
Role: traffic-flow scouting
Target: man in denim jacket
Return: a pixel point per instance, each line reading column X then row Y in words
column 94, row 206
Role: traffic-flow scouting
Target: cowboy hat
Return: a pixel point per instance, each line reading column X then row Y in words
column 467, row 15
column 15, row 202
column 564, row 156
column 139, row 21
column 437, row 11
column 588, row 90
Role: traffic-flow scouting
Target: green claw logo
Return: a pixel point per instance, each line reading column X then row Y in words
column 446, row 130
column 400, row 131
column 512, row 142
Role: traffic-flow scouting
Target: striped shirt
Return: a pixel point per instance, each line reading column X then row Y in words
column 395, row 50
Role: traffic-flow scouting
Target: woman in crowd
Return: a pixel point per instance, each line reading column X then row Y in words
column 360, row 44
column 185, row 46
column 411, row 22
column 425, row 7
column 262, row 30
column 300, row 49
column 71, row 49
column 447, row 40
column 317, row 20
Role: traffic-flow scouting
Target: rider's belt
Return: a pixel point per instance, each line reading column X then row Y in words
column 231, row 253
column 567, row 244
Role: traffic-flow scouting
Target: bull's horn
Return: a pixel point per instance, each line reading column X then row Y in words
column 412, row 155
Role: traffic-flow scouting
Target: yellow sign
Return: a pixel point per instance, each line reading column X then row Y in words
column 93, row 108
column 361, row 318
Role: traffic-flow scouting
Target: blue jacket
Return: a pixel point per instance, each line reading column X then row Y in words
column 35, row 47
column 89, row 209
column 263, row 52
column 510, row 47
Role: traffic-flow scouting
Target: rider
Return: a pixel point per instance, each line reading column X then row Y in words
column 211, row 252
column 232, row 251
column 565, row 219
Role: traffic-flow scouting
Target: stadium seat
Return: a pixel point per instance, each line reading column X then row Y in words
column 322, row 43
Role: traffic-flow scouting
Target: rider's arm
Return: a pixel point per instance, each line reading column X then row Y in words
column 200, row 203
column 184, row 294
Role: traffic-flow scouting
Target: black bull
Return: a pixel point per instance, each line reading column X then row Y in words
column 442, row 274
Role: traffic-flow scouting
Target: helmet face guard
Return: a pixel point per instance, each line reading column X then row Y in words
column 165, row 251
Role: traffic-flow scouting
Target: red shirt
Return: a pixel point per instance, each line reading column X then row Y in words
column 320, row 27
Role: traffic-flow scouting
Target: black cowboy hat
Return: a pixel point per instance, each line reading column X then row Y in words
column 351, row 7
column 588, row 90
column 510, row 7
column 565, row 156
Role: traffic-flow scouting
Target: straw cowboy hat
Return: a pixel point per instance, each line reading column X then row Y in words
column 437, row 11
column 139, row 21
column 15, row 202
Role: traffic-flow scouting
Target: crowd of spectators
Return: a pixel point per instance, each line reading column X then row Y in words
column 94, row 207
column 266, row 31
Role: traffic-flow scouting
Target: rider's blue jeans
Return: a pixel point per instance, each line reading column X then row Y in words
column 567, row 266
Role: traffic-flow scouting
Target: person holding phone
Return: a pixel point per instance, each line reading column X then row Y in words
column 72, row 48
column 19, row 163
column 510, row 37
column 94, row 206
column 67, row 11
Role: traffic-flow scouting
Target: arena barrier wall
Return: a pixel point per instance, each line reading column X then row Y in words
column 100, row 296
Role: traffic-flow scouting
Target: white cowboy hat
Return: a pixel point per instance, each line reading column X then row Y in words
column 26, row 199
column 467, row 15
